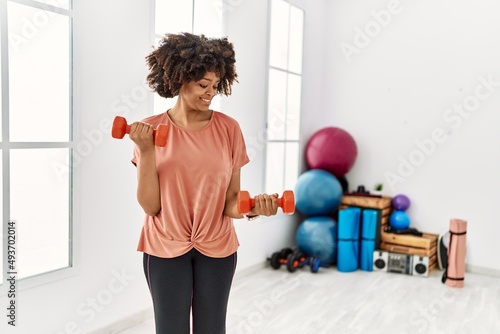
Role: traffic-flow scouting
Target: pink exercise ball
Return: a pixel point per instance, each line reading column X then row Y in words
column 331, row 149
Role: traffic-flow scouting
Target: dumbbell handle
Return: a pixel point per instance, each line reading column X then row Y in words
column 116, row 132
column 279, row 200
column 286, row 202
column 120, row 128
column 127, row 131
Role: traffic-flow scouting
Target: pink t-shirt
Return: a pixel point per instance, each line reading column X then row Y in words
column 194, row 170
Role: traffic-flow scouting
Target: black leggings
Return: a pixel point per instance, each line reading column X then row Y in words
column 192, row 280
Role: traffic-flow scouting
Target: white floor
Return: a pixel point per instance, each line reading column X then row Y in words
column 329, row 301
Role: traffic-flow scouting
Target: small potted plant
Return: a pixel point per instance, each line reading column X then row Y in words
column 377, row 190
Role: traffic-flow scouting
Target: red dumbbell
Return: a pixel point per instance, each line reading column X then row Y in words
column 286, row 202
column 120, row 128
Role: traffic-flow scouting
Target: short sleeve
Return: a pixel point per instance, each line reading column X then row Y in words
column 239, row 150
column 154, row 120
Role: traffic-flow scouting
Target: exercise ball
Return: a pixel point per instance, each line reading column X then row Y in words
column 331, row 149
column 317, row 193
column 317, row 236
column 401, row 202
column 399, row 220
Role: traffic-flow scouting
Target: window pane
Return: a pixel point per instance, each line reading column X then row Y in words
column 293, row 107
column 40, row 205
column 208, row 17
column 39, row 81
column 291, row 166
column 278, row 52
column 296, row 31
column 276, row 105
column 173, row 16
column 57, row 3
column 161, row 104
column 274, row 169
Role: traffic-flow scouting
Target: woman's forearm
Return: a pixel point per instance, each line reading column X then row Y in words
column 231, row 208
column 148, row 188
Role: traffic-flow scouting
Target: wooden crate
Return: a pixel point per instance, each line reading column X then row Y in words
column 393, row 248
column 426, row 241
column 372, row 202
column 432, row 263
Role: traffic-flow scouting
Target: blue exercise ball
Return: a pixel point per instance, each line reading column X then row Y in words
column 317, row 236
column 399, row 220
column 317, row 193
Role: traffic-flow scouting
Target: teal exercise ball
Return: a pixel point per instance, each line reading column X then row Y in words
column 317, row 193
column 317, row 236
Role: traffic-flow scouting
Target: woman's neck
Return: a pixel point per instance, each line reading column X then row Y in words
column 189, row 119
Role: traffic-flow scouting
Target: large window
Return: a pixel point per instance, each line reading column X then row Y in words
column 36, row 134
column 284, row 96
column 194, row 16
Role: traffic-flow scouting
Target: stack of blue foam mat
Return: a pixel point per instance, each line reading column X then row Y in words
column 357, row 234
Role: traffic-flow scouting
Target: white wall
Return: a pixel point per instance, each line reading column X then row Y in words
column 393, row 92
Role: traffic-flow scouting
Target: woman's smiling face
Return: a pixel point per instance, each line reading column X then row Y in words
column 198, row 95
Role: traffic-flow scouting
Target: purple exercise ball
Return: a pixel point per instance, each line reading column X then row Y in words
column 401, row 202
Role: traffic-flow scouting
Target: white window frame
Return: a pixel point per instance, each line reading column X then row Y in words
column 287, row 72
column 6, row 146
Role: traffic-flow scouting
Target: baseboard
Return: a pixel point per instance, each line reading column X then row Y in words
column 125, row 323
column 249, row 270
column 482, row 270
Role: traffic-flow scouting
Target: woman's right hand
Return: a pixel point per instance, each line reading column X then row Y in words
column 265, row 205
column 142, row 135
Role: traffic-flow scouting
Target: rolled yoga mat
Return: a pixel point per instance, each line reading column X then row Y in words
column 455, row 271
column 348, row 239
column 368, row 238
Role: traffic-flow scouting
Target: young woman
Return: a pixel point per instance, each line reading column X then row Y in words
column 188, row 188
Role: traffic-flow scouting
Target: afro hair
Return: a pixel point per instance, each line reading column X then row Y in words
column 182, row 58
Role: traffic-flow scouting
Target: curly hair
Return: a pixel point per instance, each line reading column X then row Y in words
column 182, row 58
